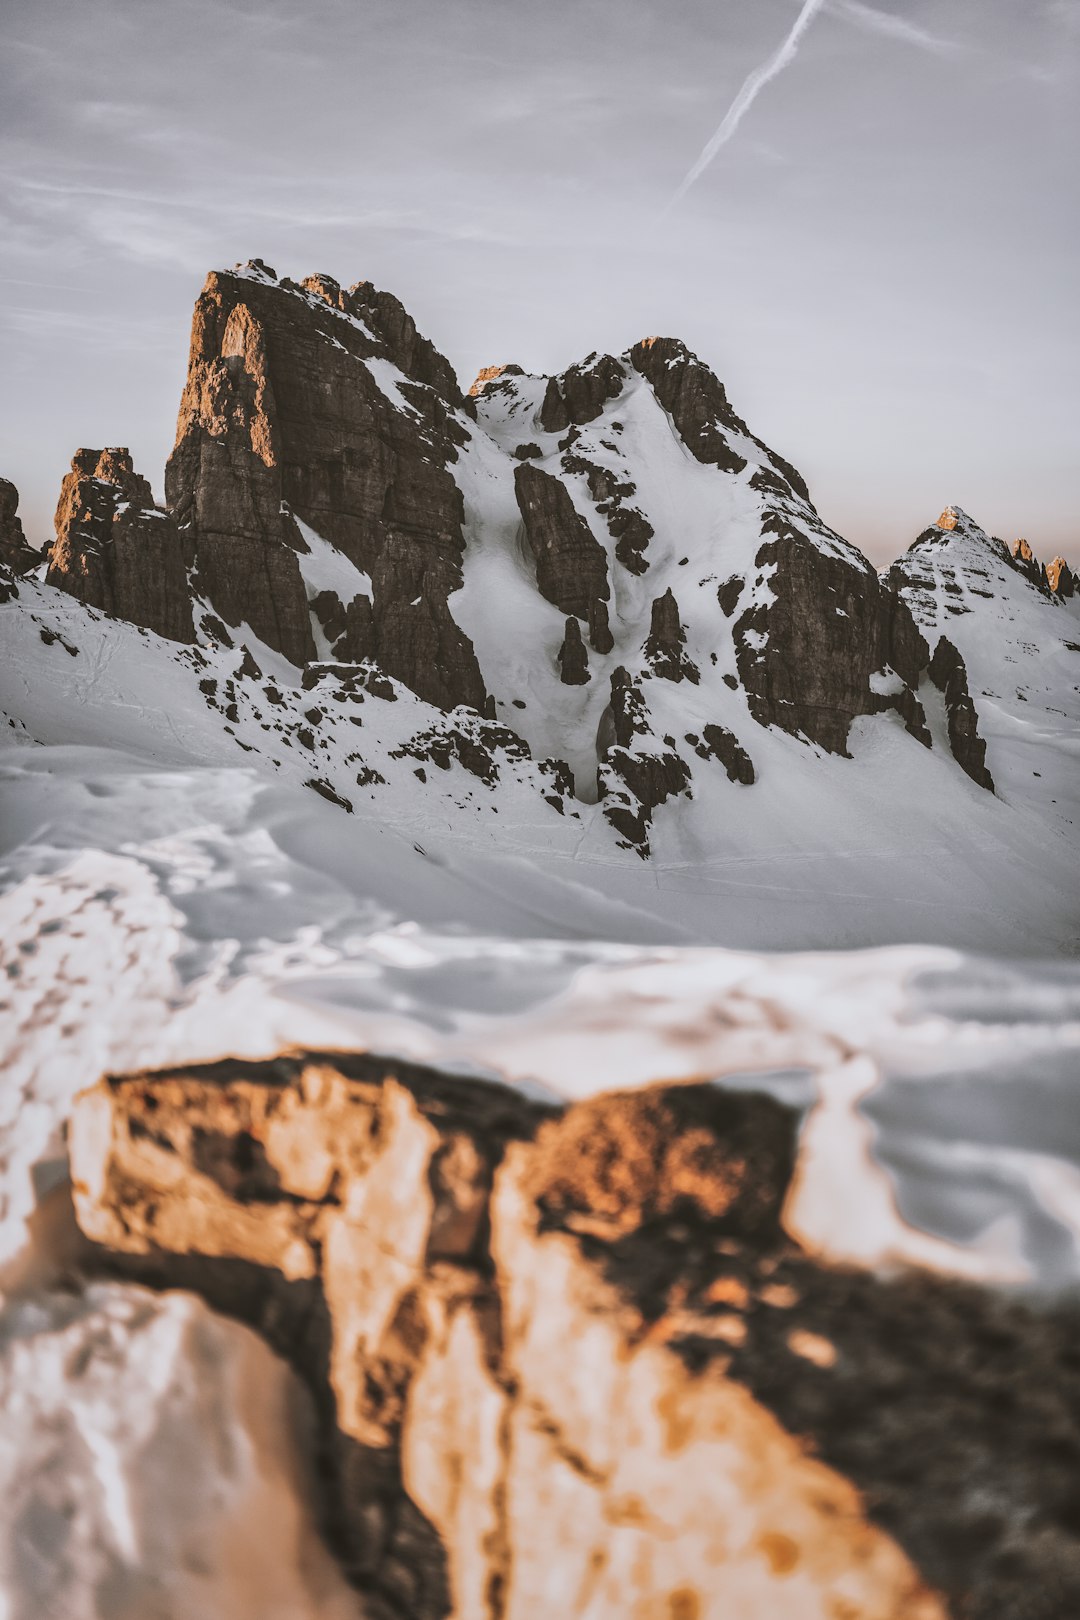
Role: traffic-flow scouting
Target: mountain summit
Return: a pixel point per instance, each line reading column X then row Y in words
column 594, row 605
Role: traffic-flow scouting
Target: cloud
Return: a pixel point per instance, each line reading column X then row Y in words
column 899, row 28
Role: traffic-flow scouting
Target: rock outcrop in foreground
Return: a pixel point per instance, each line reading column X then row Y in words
column 569, row 1365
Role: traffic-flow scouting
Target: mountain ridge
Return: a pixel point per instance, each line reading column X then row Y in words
column 593, row 605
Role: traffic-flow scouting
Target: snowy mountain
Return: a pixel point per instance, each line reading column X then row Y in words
column 475, row 730
column 589, row 617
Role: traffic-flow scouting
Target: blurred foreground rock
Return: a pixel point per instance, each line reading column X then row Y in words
column 567, row 1364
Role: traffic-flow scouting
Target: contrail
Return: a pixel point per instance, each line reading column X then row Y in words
column 746, row 97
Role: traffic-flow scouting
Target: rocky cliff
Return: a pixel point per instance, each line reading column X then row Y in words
column 16, row 552
column 567, row 1361
column 115, row 550
column 313, row 403
column 606, row 563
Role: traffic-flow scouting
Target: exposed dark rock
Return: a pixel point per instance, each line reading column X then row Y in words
column 573, row 656
column 580, row 394
column 349, row 627
column 697, row 402
column 728, row 595
column 666, row 643
column 571, row 564
column 717, row 742
column 479, row 744
column 600, row 637
column 806, row 650
column 1060, row 578
column 16, row 552
column 636, row 775
column 114, row 550
column 629, row 528
column 631, row 531
column 949, row 674
column 279, row 416
column 1025, row 560
column 488, row 375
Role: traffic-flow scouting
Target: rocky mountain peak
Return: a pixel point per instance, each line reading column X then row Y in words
column 1061, row 578
column 118, row 552
column 311, row 410
column 492, row 374
column 114, row 466
column 16, row 552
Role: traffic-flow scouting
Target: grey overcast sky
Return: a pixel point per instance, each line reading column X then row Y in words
column 881, row 264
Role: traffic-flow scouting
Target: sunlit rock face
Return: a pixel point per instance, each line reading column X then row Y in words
column 328, row 405
column 1061, row 578
column 115, row 550
column 568, row 1362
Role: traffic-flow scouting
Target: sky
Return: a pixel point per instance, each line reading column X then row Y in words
column 881, row 262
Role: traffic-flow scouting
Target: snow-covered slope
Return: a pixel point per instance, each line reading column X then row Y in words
column 892, row 844
column 1021, row 646
column 545, row 735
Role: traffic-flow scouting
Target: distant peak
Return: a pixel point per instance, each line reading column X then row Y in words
column 954, row 517
column 490, row 374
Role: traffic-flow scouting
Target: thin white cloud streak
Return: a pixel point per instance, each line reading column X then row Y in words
column 752, row 87
column 884, row 22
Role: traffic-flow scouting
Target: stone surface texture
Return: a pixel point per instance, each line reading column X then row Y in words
column 280, row 416
column 16, row 552
column 115, row 550
column 567, row 1361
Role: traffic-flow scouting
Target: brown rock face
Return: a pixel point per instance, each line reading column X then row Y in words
column 717, row 742
column 573, row 656
column 1060, row 578
column 949, row 674
column 566, row 1362
column 697, row 402
column 1028, row 564
column 580, row 394
column 116, row 551
column 665, row 645
column 571, row 564
column 636, row 773
column 491, row 374
column 694, row 398
column 279, row 416
column 15, row 551
column 806, row 655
